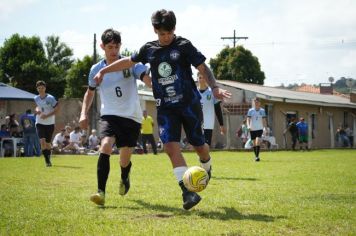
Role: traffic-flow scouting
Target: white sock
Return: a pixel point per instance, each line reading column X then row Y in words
column 179, row 172
column 207, row 165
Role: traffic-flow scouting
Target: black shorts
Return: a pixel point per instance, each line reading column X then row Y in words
column 126, row 131
column 45, row 131
column 256, row 134
column 171, row 120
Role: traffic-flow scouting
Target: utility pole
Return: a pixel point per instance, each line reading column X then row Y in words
column 235, row 38
column 94, row 110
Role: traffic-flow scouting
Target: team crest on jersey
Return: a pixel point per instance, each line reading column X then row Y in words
column 174, row 55
column 164, row 69
column 208, row 97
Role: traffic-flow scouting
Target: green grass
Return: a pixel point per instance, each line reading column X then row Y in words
column 287, row 193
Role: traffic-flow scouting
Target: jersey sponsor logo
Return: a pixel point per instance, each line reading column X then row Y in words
column 174, row 55
column 173, row 99
column 168, row 80
column 164, row 69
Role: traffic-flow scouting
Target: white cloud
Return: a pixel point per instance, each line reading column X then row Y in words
column 9, row 7
column 82, row 44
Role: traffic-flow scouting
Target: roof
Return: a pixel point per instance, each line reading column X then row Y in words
column 10, row 93
column 289, row 96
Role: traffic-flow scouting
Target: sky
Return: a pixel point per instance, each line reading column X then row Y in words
column 304, row 41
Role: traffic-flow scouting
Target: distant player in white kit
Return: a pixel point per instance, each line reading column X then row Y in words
column 256, row 121
column 211, row 108
column 121, row 113
column 47, row 107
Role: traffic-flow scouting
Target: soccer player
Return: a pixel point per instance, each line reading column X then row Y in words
column 47, row 107
column 177, row 97
column 121, row 113
column 256, row 121
column 210, row 106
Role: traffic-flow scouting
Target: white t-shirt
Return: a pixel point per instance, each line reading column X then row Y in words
column 93, row 141
column 118, row 91
column 47, row 105
column 208, row 101
column 58, row 139
column 75, row 137
column 256, row 117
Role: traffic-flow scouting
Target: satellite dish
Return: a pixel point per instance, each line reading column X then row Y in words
column 331, row 79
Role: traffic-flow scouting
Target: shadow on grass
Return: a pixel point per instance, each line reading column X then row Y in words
column 106, row 207
column 233, row 178
column 228, row 213
column 69, row 167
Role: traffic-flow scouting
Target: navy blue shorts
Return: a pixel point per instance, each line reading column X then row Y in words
column 126, row 131
column 45, row 131
column 171, row 120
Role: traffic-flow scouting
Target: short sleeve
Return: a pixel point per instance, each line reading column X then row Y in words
column 138, row 69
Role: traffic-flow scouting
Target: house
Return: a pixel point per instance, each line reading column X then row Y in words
column 323, row 112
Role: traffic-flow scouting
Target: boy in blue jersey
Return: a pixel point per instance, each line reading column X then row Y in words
column 121, row 114
column 47, row 107
column 302, row 134
column 177, row 97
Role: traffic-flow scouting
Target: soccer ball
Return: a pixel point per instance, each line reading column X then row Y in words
column 195, row 179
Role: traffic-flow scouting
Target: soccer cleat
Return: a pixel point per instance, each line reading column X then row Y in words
column 48, row 164
column 98, row 198
column 124, row 186
column 257, row 159
column 190, row 199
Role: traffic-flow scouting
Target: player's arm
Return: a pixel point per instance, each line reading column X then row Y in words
column 55, row 110
column 219, row 116
column 119, row 65
column 87, row 101
column 219, row 93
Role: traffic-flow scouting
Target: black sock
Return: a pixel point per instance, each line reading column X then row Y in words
column 257, row 151
column 254, row 150
column 181, row 185
column 202, row 161
column 125, row 171
column 45, row 154
column 103, row 170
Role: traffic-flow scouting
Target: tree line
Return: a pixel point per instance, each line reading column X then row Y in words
column 25, row 60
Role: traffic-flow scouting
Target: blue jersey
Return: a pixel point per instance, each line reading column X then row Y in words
column 302, row 128
column 172, row 81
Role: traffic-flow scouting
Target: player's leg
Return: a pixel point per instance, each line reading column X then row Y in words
column 42, row 136
column 170, row 124
column 144, row 143
column 127, row 132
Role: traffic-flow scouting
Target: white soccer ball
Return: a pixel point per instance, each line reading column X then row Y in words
column 195, row 179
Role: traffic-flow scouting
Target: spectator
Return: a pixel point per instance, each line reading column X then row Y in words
column 243, row 133
column 30, row 137
column 343, row 140
column 293, row 130
column 7, row 145
column 13, row 127
column 94, row 141
column 58, row 141
column 350, row 135
column 147, row 133
column 75, row 142
column 303, row 134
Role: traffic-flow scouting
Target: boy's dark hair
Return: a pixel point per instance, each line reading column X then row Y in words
column 40, row 83
column 111, row 35
column 163, row 20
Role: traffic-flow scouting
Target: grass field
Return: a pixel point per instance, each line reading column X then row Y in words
column 287, row 193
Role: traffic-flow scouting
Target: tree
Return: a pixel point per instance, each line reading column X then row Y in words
column 23, row 60
column 77, row 78
column 59, row 57
column 237, row 64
